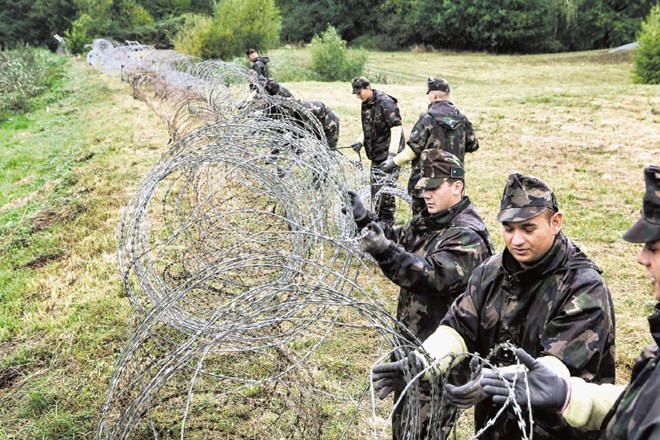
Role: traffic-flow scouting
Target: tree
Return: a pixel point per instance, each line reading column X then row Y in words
column 646, row 60
column 332, row 61
column 235, row 26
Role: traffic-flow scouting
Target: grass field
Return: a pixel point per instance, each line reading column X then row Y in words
column 68, row 168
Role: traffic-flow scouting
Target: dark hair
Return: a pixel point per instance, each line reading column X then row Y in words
column 249, row 51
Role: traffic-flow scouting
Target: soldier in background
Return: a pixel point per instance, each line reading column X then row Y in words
column 441, row 126
column 431, row 258
column 274, row 88
column 381, row 136
column 259, row 63
column 617, row 411
column 541, row 294
column 328, row 119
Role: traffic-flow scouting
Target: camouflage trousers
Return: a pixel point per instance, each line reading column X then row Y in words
column 384, row 204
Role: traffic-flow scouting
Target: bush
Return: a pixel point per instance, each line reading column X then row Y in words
column 78, row 37
column 192, row 39
column 236, row 25
column 24, row 73
column 646, row 67
column 288, row 66
column 332, row 61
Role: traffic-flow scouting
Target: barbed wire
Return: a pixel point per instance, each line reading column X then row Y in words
column 243, row 268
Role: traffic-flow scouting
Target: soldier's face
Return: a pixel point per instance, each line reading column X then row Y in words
column 649, row 257
column 253, row 57
column 528, row 241
column 364, row 94
column 442, row 197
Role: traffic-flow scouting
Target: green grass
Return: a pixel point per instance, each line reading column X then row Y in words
column 68, row 167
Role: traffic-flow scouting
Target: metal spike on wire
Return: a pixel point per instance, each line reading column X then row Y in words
column 242, row 266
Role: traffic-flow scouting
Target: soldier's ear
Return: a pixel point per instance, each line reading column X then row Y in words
column 555, row 222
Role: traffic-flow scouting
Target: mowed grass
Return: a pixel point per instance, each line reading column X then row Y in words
column 575, row 120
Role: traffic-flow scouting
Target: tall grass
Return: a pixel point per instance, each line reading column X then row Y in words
column 25, row 72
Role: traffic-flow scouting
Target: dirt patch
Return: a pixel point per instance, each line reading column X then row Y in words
column 52, row 216
column 617, row 57
column 8, row 376
column 43, row 260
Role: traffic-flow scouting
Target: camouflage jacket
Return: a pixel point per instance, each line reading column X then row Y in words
column 431, row 259
column 261, row 66
column 328, row 119
column 379, row 115
column 442, row 126
column 636, row 414
column 560, row 306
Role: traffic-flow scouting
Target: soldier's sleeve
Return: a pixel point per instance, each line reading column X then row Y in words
column 444, row 270
column 471, row 141
column 420, row 134
column 581, row 332
column 331, row 126
column 391, row 113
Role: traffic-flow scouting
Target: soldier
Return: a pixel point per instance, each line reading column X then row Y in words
column 259, row 63
column 431, row 259
column 382, row 136
column 274, row 88
column 442, row 126
column 328, row 119
column 621, row 412
column 542, row 294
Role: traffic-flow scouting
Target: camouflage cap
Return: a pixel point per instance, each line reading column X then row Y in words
column 437, row 166
column 437, row 84
column 647, row 228
column 359, row 83
column 249, row 51
column 525, row 197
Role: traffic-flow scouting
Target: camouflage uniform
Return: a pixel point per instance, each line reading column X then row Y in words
column 431, row 259
column 636, row 414
column 558, row 306
column 328, row 119
column 442, row 126
column 274, row 88
column 379, row 115
column 261, row 66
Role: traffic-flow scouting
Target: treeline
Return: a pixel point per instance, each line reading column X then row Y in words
column 520, row 26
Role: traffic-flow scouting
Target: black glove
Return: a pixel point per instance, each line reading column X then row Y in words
column 388, row 166
column 373, row 239
column 468, row 395
column 388, row 377
column 357, row 147
column 546, row 388
column 359, row 211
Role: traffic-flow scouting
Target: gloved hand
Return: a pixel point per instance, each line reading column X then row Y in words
column 546, row 388
column 359, row 211
column 471, row 393
column 373, row 239
column 388, row 377
column 389, row 165
column 356, row 146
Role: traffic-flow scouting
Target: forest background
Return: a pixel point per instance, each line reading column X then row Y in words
column 505, row 26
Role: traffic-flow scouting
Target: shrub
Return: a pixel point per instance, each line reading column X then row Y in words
column 235, row 26
column 646, row 67
column 77, row 37
column 25, row 72
column 192, row 39
column 332, row 61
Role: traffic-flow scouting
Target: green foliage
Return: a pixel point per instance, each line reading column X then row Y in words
column 192, row 39
column 332, row 61
column 646, row 59
column 77, row 38
column 235, row 26
column 25, row 72
column 289, row 66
